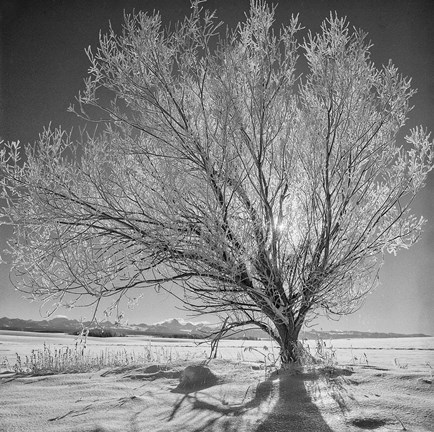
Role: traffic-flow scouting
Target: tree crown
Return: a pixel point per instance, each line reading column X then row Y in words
column 265, row 196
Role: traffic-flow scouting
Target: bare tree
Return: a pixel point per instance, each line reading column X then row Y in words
column 267, row 198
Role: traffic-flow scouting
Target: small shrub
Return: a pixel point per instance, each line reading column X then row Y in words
column 430, row 369
column 400, row 365
column 359, row 360
column 322, row 354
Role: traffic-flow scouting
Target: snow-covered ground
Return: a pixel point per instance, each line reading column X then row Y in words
column 391, row 389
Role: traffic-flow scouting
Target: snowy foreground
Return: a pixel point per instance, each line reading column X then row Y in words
column 383, row 385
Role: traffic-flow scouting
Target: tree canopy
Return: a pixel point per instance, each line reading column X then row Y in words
column 265, row 195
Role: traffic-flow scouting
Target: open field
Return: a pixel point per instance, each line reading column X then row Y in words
column 414, row 352
column 379, row 384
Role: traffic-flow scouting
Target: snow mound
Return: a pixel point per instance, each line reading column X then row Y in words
column 195, row 378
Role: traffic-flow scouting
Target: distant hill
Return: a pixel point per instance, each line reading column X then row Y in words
column 171, row 328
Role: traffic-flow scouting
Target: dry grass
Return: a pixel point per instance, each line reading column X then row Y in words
column 50, row 360
column 79, row 359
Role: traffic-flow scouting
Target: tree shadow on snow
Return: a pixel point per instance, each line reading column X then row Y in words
column 294, row 409
column 221, row 408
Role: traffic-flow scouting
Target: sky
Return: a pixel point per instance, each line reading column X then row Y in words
column 43, row 63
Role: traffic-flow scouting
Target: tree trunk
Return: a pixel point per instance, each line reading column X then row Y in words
column 289, row 349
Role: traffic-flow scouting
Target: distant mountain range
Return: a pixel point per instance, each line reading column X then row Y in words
column 171, row 328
